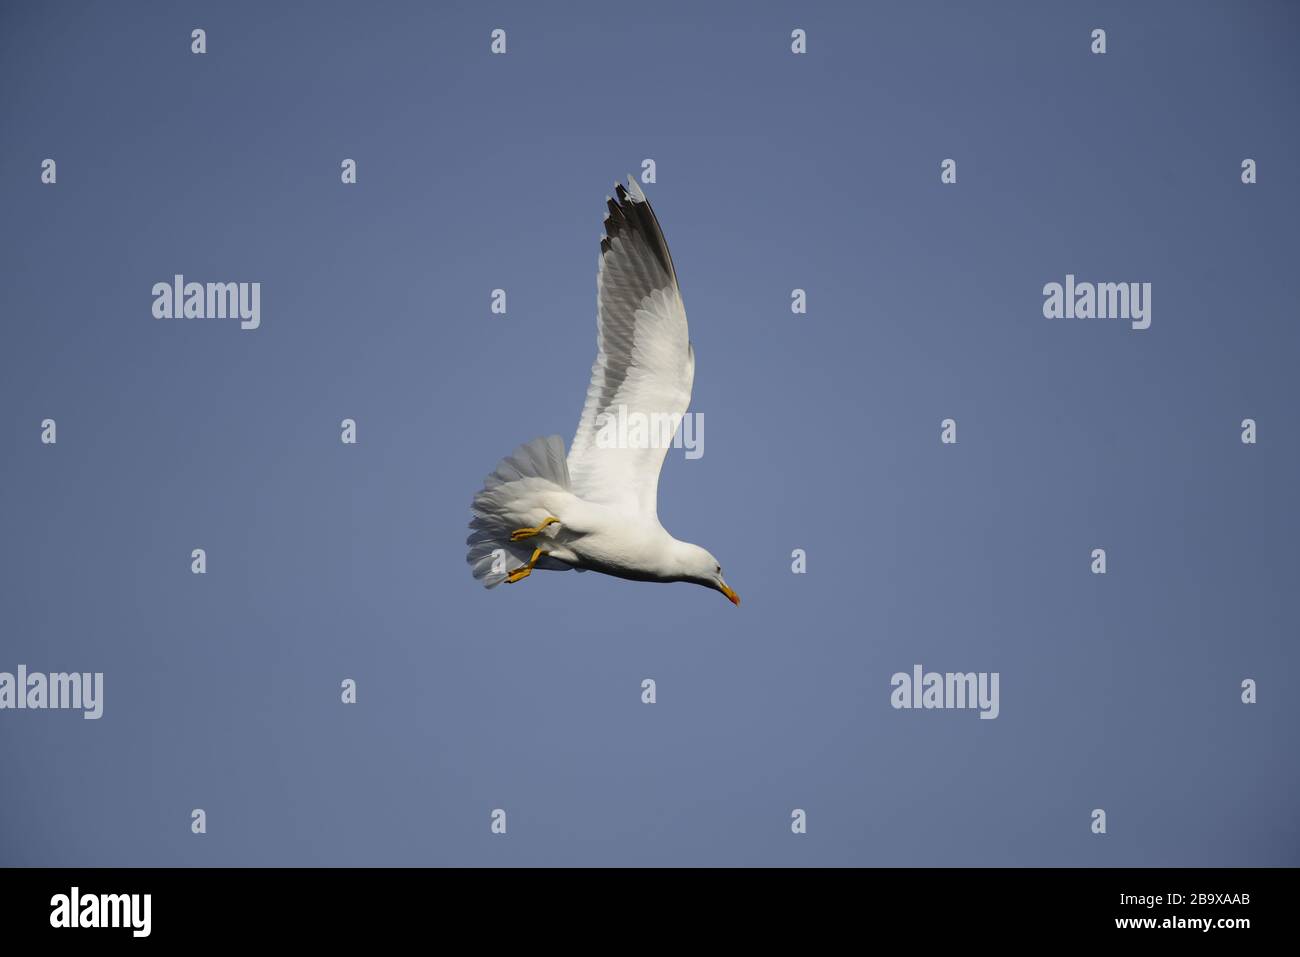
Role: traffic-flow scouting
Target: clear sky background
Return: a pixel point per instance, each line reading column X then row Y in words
column 774, row 171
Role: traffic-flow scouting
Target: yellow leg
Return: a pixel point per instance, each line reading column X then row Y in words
column 519, row 534
column 523, row 571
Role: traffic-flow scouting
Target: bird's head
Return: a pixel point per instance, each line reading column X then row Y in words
column 699, row 566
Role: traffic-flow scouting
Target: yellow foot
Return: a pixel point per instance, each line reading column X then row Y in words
column 523, row 571
column 519, row 534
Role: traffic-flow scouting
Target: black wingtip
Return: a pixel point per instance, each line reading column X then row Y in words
column 632, row 214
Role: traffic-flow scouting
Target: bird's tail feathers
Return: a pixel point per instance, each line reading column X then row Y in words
column 511, row 499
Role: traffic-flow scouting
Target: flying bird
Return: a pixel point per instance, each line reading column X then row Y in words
column 596, row 508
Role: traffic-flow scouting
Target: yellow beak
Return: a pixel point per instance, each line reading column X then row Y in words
column 726, row 590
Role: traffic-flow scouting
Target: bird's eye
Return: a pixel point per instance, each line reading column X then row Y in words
column 718, row 569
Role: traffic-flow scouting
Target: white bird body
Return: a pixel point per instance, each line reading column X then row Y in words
column 596, row 508
column 599, row 538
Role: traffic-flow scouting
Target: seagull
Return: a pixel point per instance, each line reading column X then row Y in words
column 596, row 508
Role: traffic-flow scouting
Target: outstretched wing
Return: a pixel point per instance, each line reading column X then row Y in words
column 641, row 380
